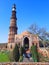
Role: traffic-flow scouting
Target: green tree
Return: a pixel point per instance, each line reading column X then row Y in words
column 22, row 50
column 16, row 54
column 10, row 55
column 34, row 53
column 40, row 32
column 21, row 53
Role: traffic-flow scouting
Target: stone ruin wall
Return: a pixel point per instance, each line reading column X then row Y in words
column 43, row 51
column 24, row 63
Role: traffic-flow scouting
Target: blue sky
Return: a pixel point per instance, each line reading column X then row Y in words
column 28, row 12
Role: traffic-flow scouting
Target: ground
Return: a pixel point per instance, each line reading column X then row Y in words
column 4, row 57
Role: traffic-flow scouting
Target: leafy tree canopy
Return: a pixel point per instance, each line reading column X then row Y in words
column 41, row 32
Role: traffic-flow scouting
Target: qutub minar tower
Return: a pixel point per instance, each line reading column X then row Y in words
column 13, row 25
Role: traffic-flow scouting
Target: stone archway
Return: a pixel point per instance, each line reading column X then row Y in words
column 26, row 43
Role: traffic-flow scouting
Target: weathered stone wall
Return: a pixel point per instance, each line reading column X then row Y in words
column 25, row 63
column 44, row 52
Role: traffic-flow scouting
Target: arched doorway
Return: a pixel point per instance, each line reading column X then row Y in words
column 26, row 43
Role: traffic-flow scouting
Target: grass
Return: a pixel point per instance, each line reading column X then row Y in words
column 4, row 57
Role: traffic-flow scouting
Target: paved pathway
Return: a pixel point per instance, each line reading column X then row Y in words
column 27, row 60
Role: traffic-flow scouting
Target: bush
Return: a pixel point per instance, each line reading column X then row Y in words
column 34, row 53
column 21, row 58
column 10, row 55
column 22, row 51
column 16, row 54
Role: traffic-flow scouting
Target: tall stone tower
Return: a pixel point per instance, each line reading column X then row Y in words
column 13, row 27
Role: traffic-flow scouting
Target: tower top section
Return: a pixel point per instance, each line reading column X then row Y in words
column 14, row 7
column 14, row 12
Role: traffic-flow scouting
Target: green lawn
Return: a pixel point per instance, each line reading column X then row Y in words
column 4, row 57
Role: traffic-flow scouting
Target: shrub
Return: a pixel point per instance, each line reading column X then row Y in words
column 22, row 51
column 10, row 55
column 16, row 54
column 34, row 53
column 21, row 58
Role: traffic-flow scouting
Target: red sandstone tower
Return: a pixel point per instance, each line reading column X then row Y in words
column 13, row 26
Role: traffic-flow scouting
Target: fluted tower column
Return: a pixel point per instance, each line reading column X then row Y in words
column 13, row 26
